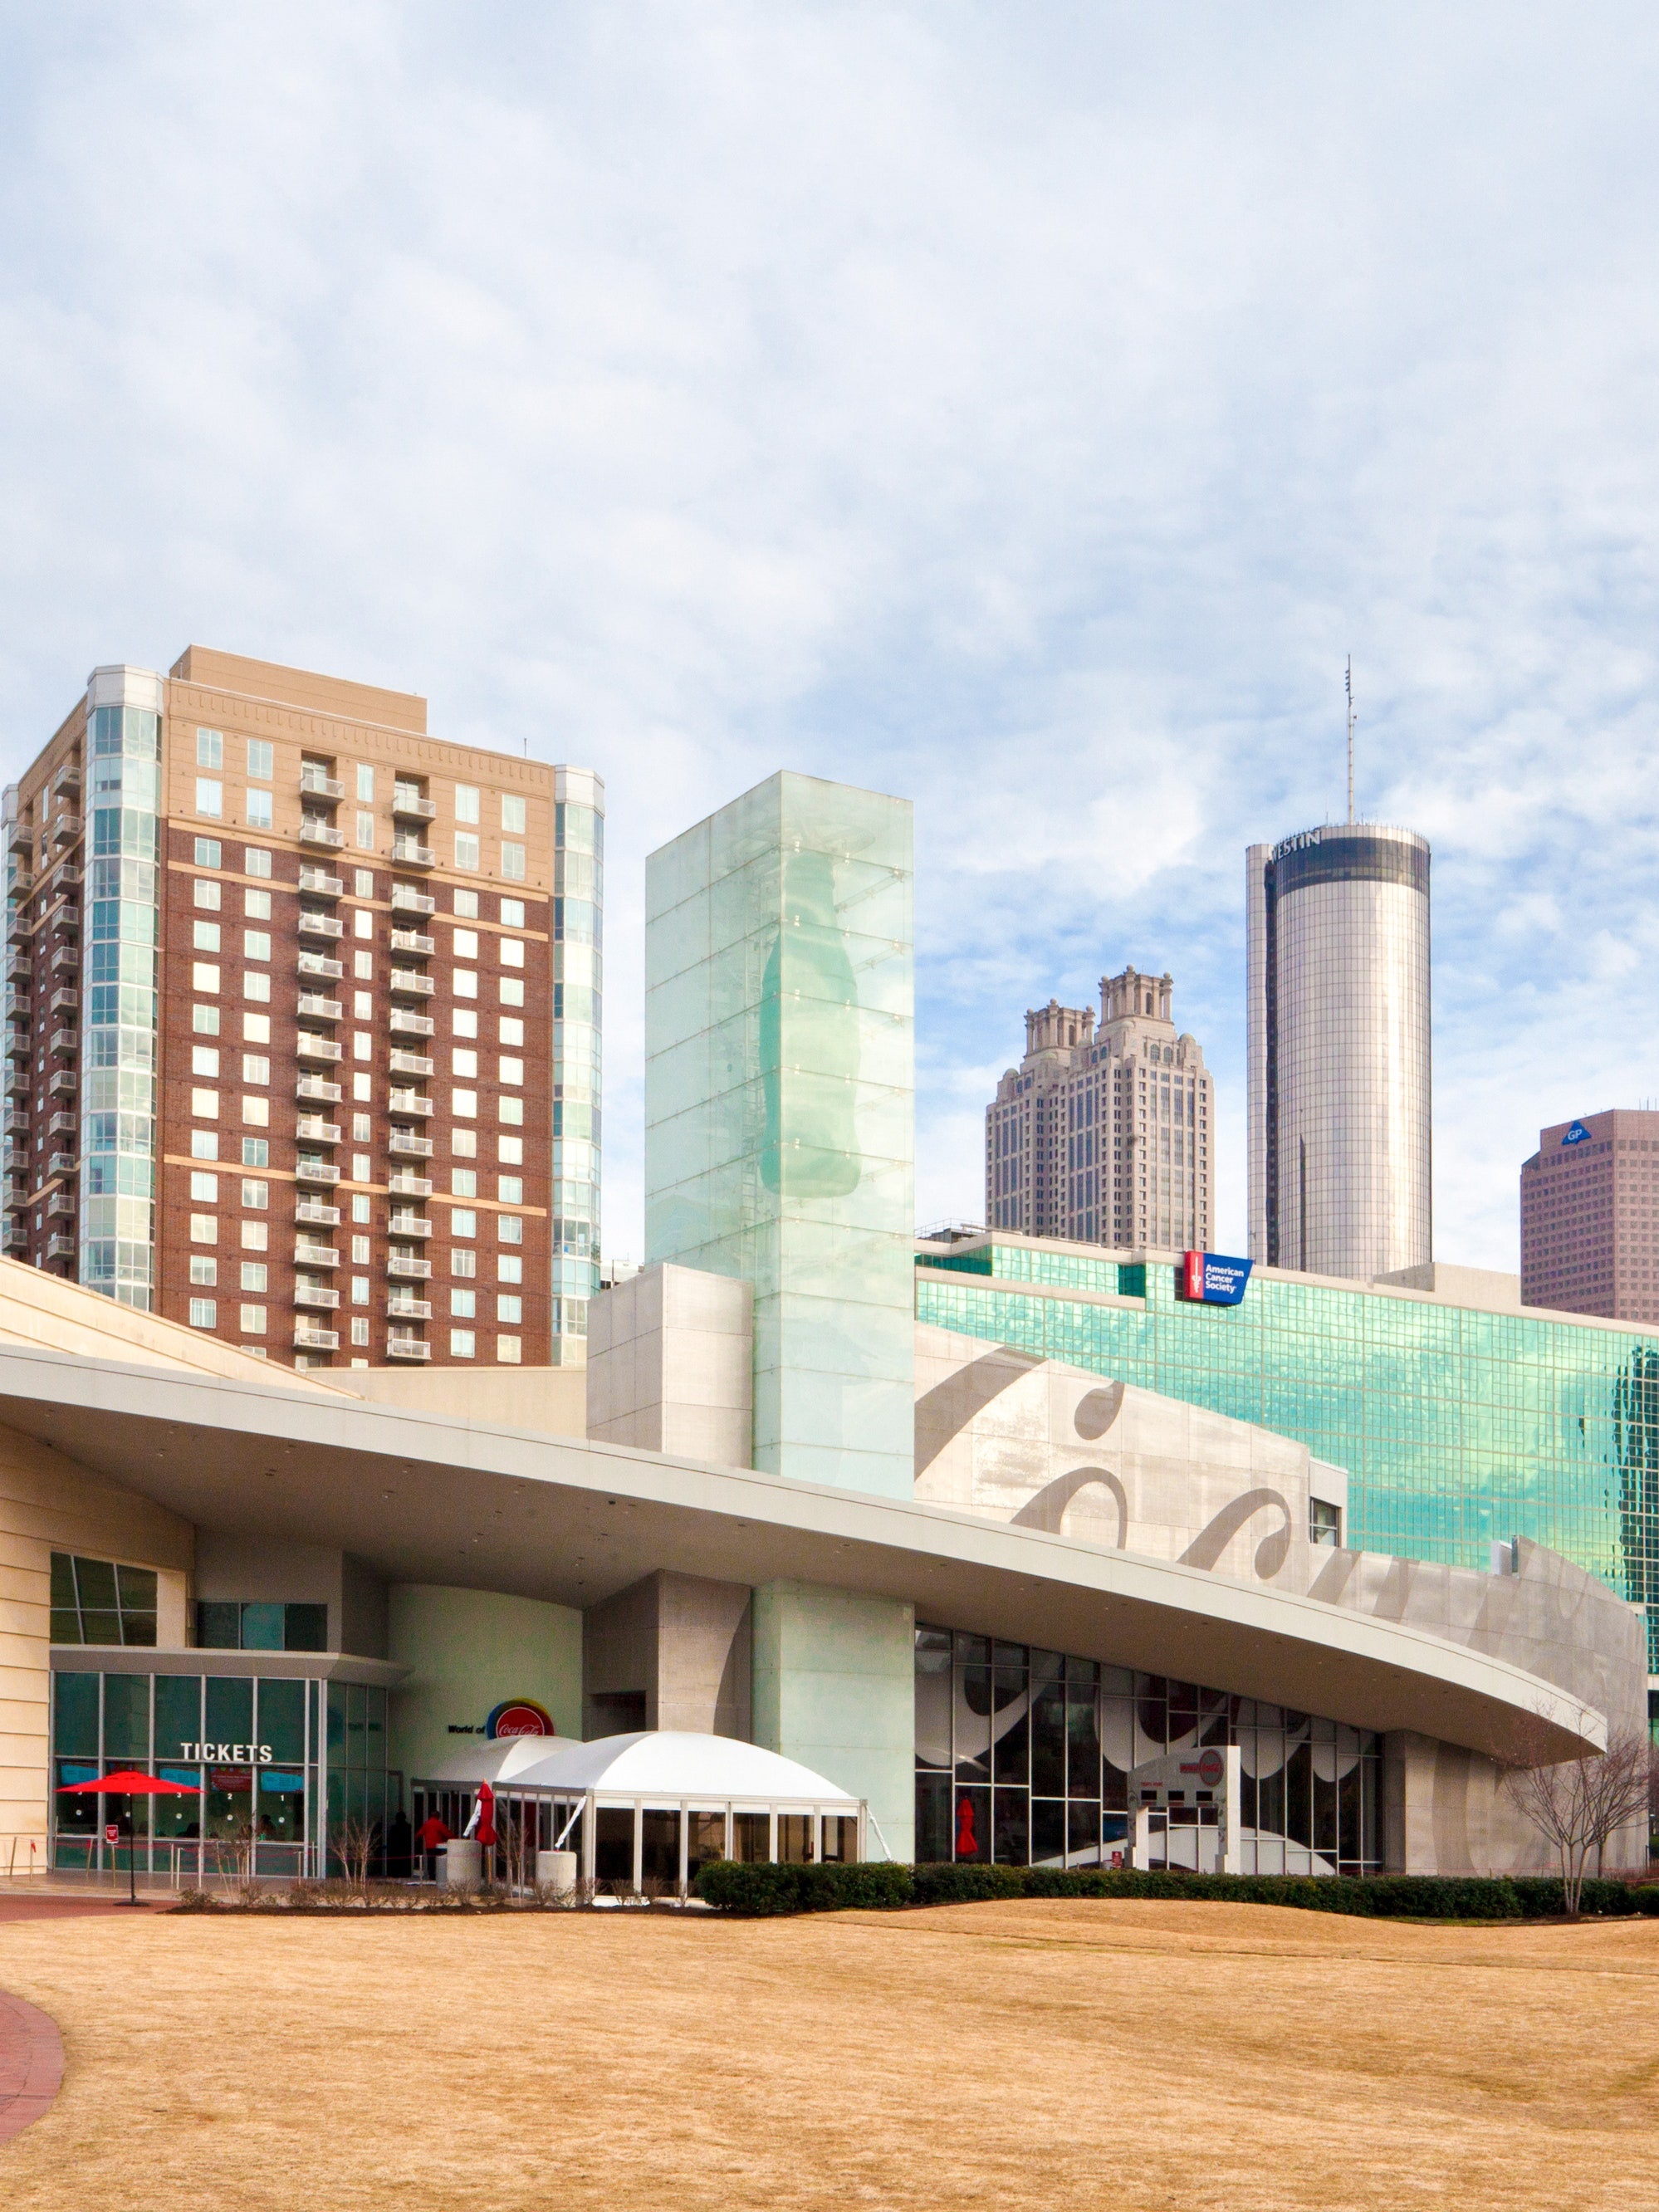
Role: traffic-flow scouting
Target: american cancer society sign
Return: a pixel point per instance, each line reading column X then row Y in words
column 1213, row 1278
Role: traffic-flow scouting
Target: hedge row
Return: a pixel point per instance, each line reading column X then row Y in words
column 770, row 1889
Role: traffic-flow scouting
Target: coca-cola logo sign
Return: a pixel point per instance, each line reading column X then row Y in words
column 1211, row 1768
column 519, row 1716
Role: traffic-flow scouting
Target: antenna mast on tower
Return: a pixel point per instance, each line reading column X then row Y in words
column 1349, row 681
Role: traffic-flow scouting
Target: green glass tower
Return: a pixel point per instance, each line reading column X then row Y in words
column 780, row 1108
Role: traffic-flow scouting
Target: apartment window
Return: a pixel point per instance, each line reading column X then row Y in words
column 261, row 759
column 205, row 1186
column 466, row 844
column 463, row 1220
column 256, row 905
column 464, row 1105
column 465, row 981
column 510, row 1309
column 256, row 1029
column 258, row 814
column 464, row 1182
column 210, row 798
column 204, row 1020
column 464, row 1305
column 463, row 1143
column 363, row 922
column 463, row 1021
column 363, row 1128
column 205, row 936
column 203, row 1270
column 362, row 1167
column 360, row 1332
column 509, row 1151
column 513, row 815
column 255, row 1068
column 209, row 749
column 256, row 944
column 362, row 881
column 466, row 944
column 207, row 852
column 255, row 861
column 362, row 1005
column 256, row 1196
column 512, row 1030
column 360, row 1288
column 359, row 1251
column 510, row 1351
column 464, row 1264
column 204, row 1144
column 462, row 1344
column 512, row 1070
column 466, row 905
column 509, row 1229
column 256, row 1237
column 362, row 1045
column 512, row 990
column 462, row 1062
column 204, row 1059
column 206, row 894
column 361, row 1087
column 510, row 1110
column 256, row 985
column 513, row 913
column 513, row 864
column 254, row 1321
column 204, row 1229
column 510, row 1189
column 510, row 1267
column 366, row 833
column 467, row 803
column 512, row 952
column 203, row 1313
column 364, row 967
column 365, row 783
column 361, row 1209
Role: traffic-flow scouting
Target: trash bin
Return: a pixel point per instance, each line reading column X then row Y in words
column 460, row 1864
column 556, row 1871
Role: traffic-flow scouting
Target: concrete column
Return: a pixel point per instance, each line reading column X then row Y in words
column 834, row 1688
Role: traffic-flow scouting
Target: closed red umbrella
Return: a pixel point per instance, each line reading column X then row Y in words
column 128, row 1782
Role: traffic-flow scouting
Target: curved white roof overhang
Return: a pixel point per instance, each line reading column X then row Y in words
column 423, row 1498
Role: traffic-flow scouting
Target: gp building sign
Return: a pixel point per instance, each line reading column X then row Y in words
column 1213, row 1280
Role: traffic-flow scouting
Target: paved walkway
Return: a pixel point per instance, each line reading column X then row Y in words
column 31, row 2064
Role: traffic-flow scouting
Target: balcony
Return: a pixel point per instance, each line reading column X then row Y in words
column 410, row 853
column 20, row 928
column 313, row 830
column 20, row 881
column 405, row 899
column 63, row 1124
column 309, row 1046
column 19, row 836
column 321, row 925
column 402, row 1023
column 17, row 1162
column 68, row 777
column 307, row 1337
column 16, row 1239
column 403, row 1184
column 407, row 805
column 318, row 964
column 318, row 1088
column 61, row 1164
column 17, row 1076
column 407, row 1347
column 319, row 1008
column 66, row 1040
column 66, row 828
column 307, row 1255
column 63, row 1084
column 317, row 783
column 312, row 1129
column 409, row 985
column 409, row 1267
column 409, row 1101
column 64, row 1001
column 410, row 1063
column 402, row 1307
column 316, row 1215
column 61, row 1247
column 315, row 1170
column 69, row 877
column 406, row 1146
column 410, row 940
column 18, row 1045
column 410, row 1225
column 66, row 957
column 320, row 882
column 20, row 1006
column 61, row 1204
column 319, row 1295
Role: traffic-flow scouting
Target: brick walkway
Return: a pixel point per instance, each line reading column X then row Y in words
column 31, row 2064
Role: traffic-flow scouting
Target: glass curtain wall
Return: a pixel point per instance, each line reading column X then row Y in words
column 578, row 983
column 118, row 1045
column 1024, row 1757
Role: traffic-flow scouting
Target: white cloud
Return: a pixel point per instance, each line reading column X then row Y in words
column 1027, row 413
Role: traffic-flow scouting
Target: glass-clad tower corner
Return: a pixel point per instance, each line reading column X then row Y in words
column 1338, row 932
column 578, row 985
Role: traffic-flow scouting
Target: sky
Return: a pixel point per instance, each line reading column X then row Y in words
column 1024, row 411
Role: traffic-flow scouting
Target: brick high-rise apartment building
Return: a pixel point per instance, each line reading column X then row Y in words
column 303, row 1017
column 1107, row 1135
column 1589, row 1217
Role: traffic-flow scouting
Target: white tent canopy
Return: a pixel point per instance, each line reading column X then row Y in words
column 664, row 1766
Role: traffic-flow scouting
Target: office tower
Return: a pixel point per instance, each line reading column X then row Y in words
column 1590, row 1217
column 1338, row 928
column 1105, row 1136
column 780, row 1108
column 302, row 1007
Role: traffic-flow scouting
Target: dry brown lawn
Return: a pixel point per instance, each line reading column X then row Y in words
column 991, row 2056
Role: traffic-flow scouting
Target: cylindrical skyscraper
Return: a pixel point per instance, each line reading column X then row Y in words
column 1339, row 1051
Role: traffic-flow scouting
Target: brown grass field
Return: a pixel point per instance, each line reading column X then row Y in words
column 988, row 2055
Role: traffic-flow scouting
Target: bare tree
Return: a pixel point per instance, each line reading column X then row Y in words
column 1577, row 1805
column 354, row 1841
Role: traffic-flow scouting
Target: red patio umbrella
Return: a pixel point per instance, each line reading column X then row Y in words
column 128, row 1782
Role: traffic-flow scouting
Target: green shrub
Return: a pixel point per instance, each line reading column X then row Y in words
column 769, row 1888
column 1646, row 1900
column 966, row 1884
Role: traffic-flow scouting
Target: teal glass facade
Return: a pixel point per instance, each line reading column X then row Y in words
column 780, row 1108
column 578, row 988
column 1458, row 1427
